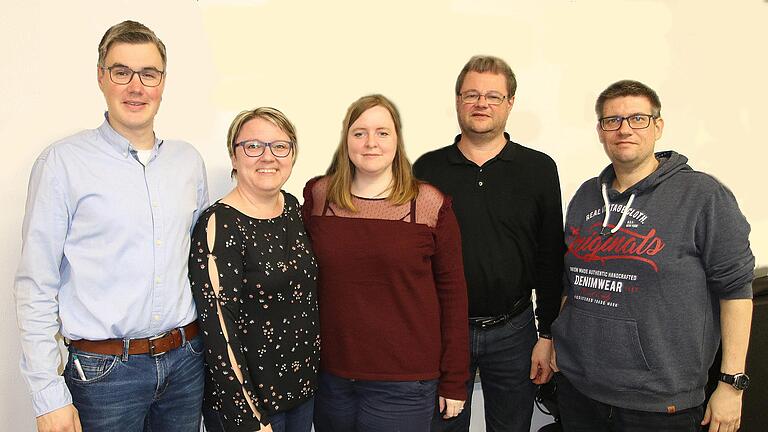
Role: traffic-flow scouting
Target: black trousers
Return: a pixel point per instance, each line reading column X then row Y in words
column 580, row 413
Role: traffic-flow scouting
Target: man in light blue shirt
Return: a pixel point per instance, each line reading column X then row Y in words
column 104, row 261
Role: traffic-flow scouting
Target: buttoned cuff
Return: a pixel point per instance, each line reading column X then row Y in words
column 51, row 398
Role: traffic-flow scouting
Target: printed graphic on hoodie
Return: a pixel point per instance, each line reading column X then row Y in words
column 598, row 241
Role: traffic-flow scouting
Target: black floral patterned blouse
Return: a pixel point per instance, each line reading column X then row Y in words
column 254, row 284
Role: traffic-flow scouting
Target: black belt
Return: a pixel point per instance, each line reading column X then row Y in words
column 486, row 322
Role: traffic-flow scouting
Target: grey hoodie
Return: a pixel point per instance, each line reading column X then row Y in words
column 641, row 325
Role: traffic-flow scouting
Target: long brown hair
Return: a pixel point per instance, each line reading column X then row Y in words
column 405, row 187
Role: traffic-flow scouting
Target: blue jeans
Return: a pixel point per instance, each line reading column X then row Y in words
column 579, row 413
column 297, row 419
column 346, row 405
column 503, row 355
column 143, row 393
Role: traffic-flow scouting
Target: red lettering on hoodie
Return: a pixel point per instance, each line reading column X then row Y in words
column 625, row 244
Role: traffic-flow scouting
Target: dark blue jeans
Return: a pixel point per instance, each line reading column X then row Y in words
column 345, row 405
column 579, row 413
column 143, row 393
column 503, row 355
column 297, row 419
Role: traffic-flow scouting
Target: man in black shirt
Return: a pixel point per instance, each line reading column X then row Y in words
column 507, row 201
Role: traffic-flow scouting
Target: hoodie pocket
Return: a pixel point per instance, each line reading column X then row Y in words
column 603, row 349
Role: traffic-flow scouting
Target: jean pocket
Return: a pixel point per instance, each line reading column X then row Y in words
column 695, row 414
column 195, row 346
column 425, row 387
column 95, row 367
column 522, row 320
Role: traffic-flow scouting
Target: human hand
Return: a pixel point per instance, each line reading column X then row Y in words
column 541, row 371
column 64, row 419
column 450, row 407
column 267, row 428
column 723, row 412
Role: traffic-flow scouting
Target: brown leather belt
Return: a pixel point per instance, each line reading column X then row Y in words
column 153, row 346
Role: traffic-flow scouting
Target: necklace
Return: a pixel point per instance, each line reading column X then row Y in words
column 363, row 191
column 259, row 210
column 382, row 192
column 369, row 196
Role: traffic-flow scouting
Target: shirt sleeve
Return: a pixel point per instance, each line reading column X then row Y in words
column 37, row 284
column 448, row 270
column 217, row 278
column 202, row 193
column 550, row 249
column 722, row 239
column 419, row 171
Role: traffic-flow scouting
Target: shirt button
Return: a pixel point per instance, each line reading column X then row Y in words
column 157, row 279
column 156, row 317
column 480, row 183
column 154, row 204
column 158, row 242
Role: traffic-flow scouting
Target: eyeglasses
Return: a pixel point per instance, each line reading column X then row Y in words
column 635, row 121
column 122, row 75
column 493, row 98
column 256, row 148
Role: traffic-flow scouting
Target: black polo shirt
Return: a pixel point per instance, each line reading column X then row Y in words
column 511, row 220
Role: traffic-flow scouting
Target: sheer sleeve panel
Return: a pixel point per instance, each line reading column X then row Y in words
column 217, row 277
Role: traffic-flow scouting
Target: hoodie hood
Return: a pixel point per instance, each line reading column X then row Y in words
column 670, row 163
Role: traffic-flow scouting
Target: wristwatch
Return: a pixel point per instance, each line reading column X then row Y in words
column 740, row 381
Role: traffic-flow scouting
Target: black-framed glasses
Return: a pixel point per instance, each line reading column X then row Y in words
column 256, row 148
column 122, row 75
column 635, row 121
column 493, row 98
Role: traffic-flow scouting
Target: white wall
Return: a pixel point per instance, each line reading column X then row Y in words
column 313, row 58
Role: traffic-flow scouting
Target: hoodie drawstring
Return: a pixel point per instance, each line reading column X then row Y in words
column 608, row 212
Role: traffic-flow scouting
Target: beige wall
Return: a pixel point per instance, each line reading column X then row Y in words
column 312, row 58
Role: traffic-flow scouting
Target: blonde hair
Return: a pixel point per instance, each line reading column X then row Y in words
column 272, row 115
column 488, row 64
column 130, row 32
column 341, row 172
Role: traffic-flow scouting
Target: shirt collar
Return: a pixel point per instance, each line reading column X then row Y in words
column 119, row 142
column 507, row 153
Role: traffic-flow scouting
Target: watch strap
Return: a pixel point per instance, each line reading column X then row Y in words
column 739, row 381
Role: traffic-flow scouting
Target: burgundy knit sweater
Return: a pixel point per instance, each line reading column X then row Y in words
column 391, row 289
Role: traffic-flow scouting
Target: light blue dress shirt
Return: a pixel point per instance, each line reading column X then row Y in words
column 105, row 248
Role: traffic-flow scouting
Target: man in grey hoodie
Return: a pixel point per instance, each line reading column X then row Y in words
column 658, row 269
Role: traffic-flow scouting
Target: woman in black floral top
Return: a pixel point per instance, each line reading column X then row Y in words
column 253, row 277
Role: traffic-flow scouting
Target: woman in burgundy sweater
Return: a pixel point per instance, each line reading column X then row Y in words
column 391, row 289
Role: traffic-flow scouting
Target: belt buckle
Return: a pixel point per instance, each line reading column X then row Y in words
column 488, row 322
column 150, row 342
column 495, row 321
